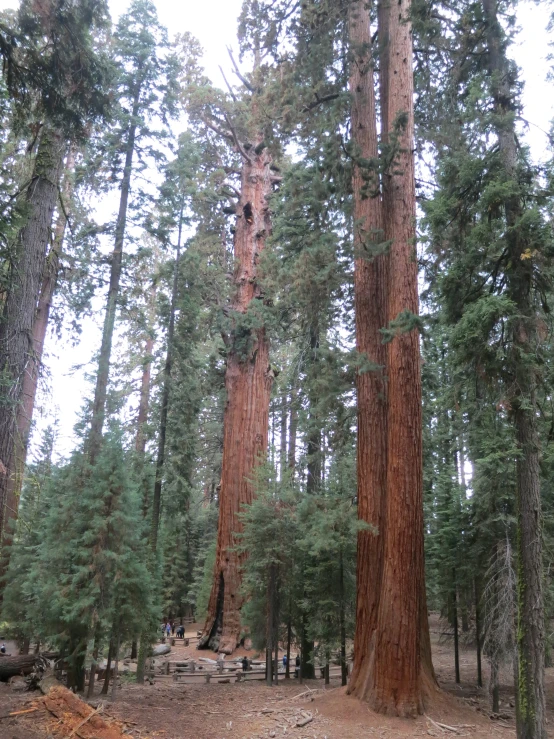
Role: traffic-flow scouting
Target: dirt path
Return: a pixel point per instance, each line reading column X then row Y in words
column 168, row 710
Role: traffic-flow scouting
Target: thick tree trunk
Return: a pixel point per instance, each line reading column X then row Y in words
column 370, row 285
column 30, row 378
column 19, row 310
column 248, row 381
column 530, row 699
column 397, row 666
column 103, row 375
column 392, row 640
column 19, row 665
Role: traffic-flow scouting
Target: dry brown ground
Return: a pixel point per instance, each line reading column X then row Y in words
column 168, row 710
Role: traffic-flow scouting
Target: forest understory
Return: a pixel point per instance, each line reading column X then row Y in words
column 167, row 710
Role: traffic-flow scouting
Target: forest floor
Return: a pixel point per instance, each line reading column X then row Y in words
column 169, row 710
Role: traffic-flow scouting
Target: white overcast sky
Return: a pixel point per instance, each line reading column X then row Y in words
column 214, row 24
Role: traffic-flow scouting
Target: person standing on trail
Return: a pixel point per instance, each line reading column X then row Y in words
column 285, row 661
column 3, row 649
column 168, row 629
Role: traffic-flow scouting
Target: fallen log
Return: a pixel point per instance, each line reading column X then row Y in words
column 160, row 650
column 21, row 664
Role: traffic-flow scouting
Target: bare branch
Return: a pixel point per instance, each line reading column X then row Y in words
column 216, row 129
column 320, row 101
column 237, row 71
column 239, row 146
column 231, row 93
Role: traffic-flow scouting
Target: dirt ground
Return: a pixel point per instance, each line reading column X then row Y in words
column 169, row 710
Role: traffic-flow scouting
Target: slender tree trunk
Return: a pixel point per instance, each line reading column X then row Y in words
column 289, row 638
column 106, row 684
column 276, row 625
column 248, row 381
column 144, row 402
column 478, row 634
column 19, row 310
column 102, row 377
column 116, row 662
column 293, row 428
column 160, row 461
column 283, row 444
column 269, row 626
column 313, row 482
column 93, row 667
column 455, row 626
column 530, row 699
column 342, row 625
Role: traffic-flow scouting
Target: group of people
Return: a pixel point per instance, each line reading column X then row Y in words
column 168, row 629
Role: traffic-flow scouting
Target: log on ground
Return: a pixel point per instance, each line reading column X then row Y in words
column 21, row 664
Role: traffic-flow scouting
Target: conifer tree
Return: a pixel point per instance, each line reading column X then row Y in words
column 145, row 89
column 72, row 95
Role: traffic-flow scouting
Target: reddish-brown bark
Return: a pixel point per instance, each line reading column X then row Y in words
column 392, row 648
column 370, row 284
column 248, row 381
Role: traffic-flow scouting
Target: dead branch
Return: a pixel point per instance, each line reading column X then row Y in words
column 216, row 129
column 237, row 71
column 231, row 93
column 86, row 720
column 307, row 718
column 236, row 140
column 18, row 713
column 443, row 727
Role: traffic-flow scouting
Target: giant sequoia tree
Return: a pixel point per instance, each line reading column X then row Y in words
column 391, row 629
column 248, row 381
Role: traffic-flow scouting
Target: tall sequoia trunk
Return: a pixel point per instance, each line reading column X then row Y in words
column 248, row 381
column 530, row 699
column 19, row 310
column 101, row 390
column 397, row 668
column 31, row 375
column 370, row 285
column 392, row 640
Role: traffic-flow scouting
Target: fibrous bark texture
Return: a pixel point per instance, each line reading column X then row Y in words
column 17, row 350
column 31, row 375
column 392, row 650
column 248, row 381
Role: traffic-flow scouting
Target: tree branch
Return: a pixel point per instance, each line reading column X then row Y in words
column 237, row 71
column 227, row 83
column 239, row 146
